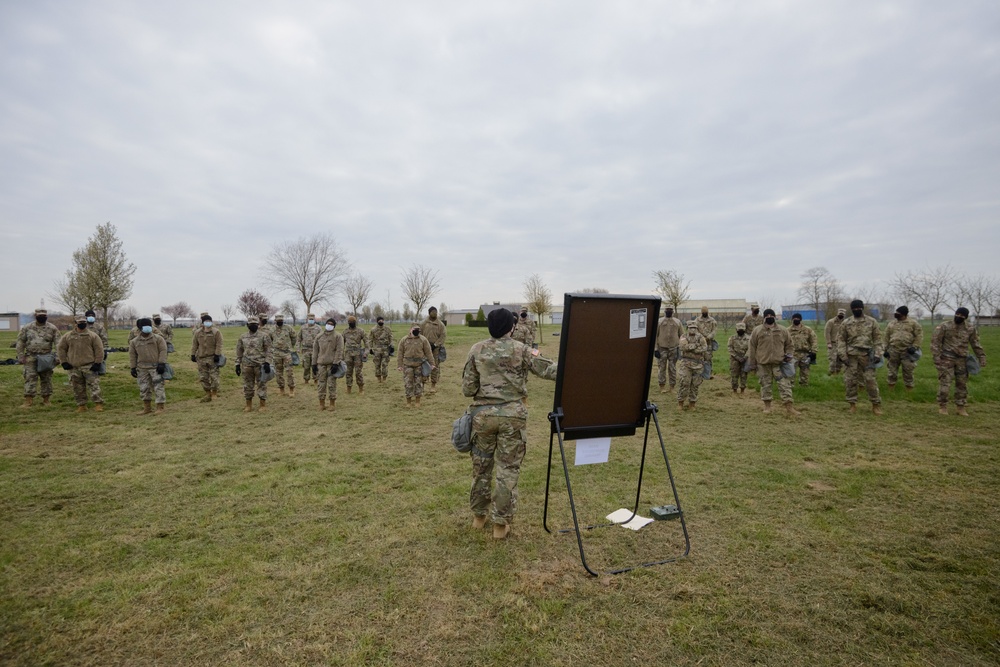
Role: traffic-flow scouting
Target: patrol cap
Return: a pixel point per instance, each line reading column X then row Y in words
column 332, row 321
column 41, row 311
column 204, row 316
column 963, row 311
column 692, row 324
column 311, row 315
column 81, row 318
column 798, row 315
column 841, row 311
column 262, row 316
column 351, row 318
column 755, row 305
column 156, row 316
column 279, row 317
column 740, row 326
column 704, row 310
column 253, row 320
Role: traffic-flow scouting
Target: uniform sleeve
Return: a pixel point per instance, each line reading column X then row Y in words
column 63, row 347
column 918, row 338
column 22, row 340
column 428, row 354
column 789, row 348
column 826, row 334
column 937, row 341
column 194, row 343
column 97, row 345
column 877, row 339
column 543, row 368
column 842, row 341
column 752, row 350
column 812, row 341
column 338, row 348
column 239, row 351
column 268, row 343
column 444, row 332
column 218, row 343
column 470, row 377
column 161, row 349
column 976, row 346
column 133, row 355
column 103, row 336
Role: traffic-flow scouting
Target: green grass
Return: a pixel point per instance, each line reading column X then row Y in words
column 300, row 537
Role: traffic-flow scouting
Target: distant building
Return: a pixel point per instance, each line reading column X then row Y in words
column 808, row 312
column 692, row 307
column 10, row 321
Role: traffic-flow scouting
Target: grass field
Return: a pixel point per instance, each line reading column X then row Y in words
column 298, row 537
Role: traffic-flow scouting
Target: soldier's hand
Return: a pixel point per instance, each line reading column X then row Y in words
column 133, row 372
column 239, row 371
column 194, row 358
column 371, row 351
column 433, row 347
column 315, row 369
column 913, row 350
column 94, row 367
column 105, row 355
column 161, row 368
column 812, row 356
column 216, row 358
column 67, row 366
column 886, row 354
column 982, row 362
column 22, row 360
column 656, row 353
column 399, row 368
column 789, row 357
column 267, row 367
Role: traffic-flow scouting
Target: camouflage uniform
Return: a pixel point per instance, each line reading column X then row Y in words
column 495, row 376
column 524, row 330
column 803, row 347
column 411, row 352
column 327, row 350
column 739, row 349
column 434, row 331
column 135, row 331
column 206, row 343
column 166, row 331
column 283, row 342
column 307, row 336
column 82, row 349
column 753, row 321
column 950, row 346
column 253, row 350
column 832, row 334
column 266, row 327
column 144, row 353
column 693, row 348
column 668, row 336
column 34, row 339
column 355, row 349
column 380, row 338
column 101, row 332
column 770, row 345
column 900, row 336
column 858, row 346
column 706, row 327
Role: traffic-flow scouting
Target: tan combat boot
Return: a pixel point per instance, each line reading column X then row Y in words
column 249, row 405
column 349, row 387
column 790, row 409
column 909, row 389
column 333, row 404
column 99, row 407
column 962, row 412
column 877, row 410
column 501, row 532
column 691, row 405
column 942, row 408
column 291, row 392
column 663, row 388
column 433, row 389
column 854, row 408
column 214, row 394
column 46, row 400
column 417, row 401
column 160, row 407
column 322, row 404
column 81, row 408
column 478, row 522
column 409, row 401
column 28, row 400
column 742, row 389
column 767, row 406
column 281, row 390
column 361, row 389
column 681, row 405
column 147, row 407
column 207, row 398
column 263, row 405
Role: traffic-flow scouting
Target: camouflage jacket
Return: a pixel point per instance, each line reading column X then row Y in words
column 101, row 332
column 668, row 332
column 693, row 347
column 81, row 348
column 413, row 350
column 803, row 338
column 307, row 335
column 166, row 331
column 147, row 351
column 953, row 341
column 206, row 342
column 859, row 336
column 35, row 338
column 769, row 344
column 283, row 338
column 355, row 340
column 268, row 329
column 832, row 331
column 752, row 321
column 496, row 371
column 706, row 327
column 328, row 348
column 254, row 349
column 901, row 334
column 434, row 331
column 134, row 333
column 380, row 337
column 739, row 346
column 524, row 332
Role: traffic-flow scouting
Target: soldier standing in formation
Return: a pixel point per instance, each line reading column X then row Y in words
column 950, row 348
column 739, row 346
column 754, row 319
column 135, row 331
column 706, row 327
column 770, row 346
column 435, row 332
column 903, row 337
column 282, row 343
column 34, row 339
column 832, row 334
column 82, row 352
column 413, row 350
column 147, row 361
column 98, row 329
column 668, row 336
column 803, row 347
column 355, row 351
column 380, row 340
column 693, row 348
column 166, row 331
column 307, row 336
column 524, row 329
column 495, row 377
column 327, row 351
column 265, row 326
column 206, row 351
column 859, row 348
column 253, row 359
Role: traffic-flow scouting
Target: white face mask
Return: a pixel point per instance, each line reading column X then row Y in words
column 312, row 321
column 329, row 327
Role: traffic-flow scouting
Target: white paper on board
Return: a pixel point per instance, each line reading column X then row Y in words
column 592, row 450
column 637, row 323
column 635, row 524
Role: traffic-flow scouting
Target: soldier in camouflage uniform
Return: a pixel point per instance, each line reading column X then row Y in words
column 739, row 347
column 524, row 330
column 413, row 350
column 495, row 377
column 327, row 350
column 434, row 331
column 380, row 339
column 136, row 330
column 282, row 344
column 903, row 337
column 706, row 327
column 803, row 347
column 147, row 356
column 38, row 337
column 693, row 348
column 770, row 346
column 98, row 329
column 859, row 347
column 166, row 331
column 668, row 337
column 754, row 319
column 82, row 352
column 832, row 334
column 307, row 335
column 265, row 326
column 950, row 346
column 253, row 359
column 206, row 351
column 355, row 353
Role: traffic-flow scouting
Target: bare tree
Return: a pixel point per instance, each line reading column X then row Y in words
column 313, row 267
column 980, row 293
column 878, row 299
column 102, row 274
column 672, row 287
column 179, row 309
column 818, row 288
column 67, row 294
column 252, row 303
column 419, row 285
column 288, row 308
column 228, row 310
column 931, row 288
column 538, row 298
column 357, row 289
column 366, row 313
column 443, row 309
column 126, row 315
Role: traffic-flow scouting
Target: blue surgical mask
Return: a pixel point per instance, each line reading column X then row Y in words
column 90, row 320
column 206, row 323
column 147, row 330
column 312, row 321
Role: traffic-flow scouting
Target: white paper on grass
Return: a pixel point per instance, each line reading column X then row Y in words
column 592, row 450
column 637, row 323
column 618, row 516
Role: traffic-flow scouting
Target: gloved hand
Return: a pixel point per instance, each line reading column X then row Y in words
column 216, row 358
column 371, row 351
column 105, row 355
column 94, row 367
column 239, row 372
column 656, row 353
column 789, row 357
column 194, row 358
column 67, row 366
column 886, row 354
column 315, row 369
column 161, row 368
column 267, row 367
column 133, row 372
column 812, row 357
column 433, row 347
column 913, row 350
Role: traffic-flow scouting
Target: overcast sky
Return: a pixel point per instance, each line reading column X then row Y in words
column 739, row 142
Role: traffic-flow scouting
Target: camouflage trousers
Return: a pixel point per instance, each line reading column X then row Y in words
column 898, row 358
column 325, row 382
column 208, row 374
column 306, row 358
column 381, row 362
column 150, row 384
column 498, row 445
column 668, row 365
column 32, row 376
column 835, row 364
column 688, row 379
column 251, row 381
column 856, row 371
column 85, row 382
column 436, row 372
column 770, row 374
column 952, row 371
column 412, row 381
column 737, row 376
column 802, row 364
column 283, row 369
column 355, row 368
